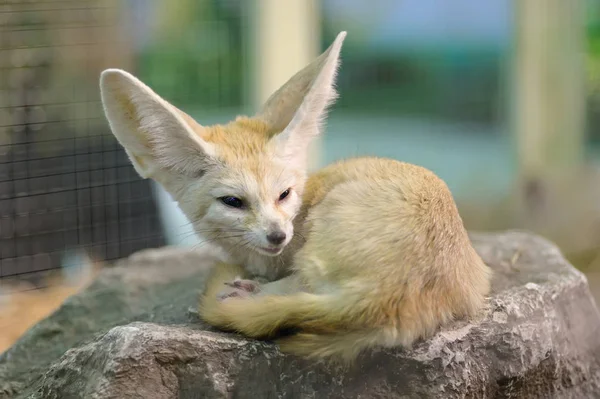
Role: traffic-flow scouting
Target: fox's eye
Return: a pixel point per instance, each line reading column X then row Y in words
column 284, row 194
column 233, row 202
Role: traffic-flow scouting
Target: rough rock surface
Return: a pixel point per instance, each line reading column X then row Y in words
column 133, row 336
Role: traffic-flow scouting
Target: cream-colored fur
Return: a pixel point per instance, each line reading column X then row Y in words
column 375, row 252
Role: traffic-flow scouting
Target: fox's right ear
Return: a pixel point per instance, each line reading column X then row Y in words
column 156, row 135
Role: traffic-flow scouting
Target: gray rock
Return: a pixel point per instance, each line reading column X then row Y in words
column 540, row 338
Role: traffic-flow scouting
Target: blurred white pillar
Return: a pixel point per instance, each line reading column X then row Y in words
column 284, row 37
column 176, row 228
column 549, row 86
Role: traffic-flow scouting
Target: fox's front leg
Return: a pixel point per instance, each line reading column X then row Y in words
column 241, row 288
column 213, row 309
column 225, row 281
column 216, row 285
column 218, row 288
column 259, row 287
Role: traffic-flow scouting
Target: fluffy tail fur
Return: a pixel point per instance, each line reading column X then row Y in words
column 341, row 346
column 321, row 324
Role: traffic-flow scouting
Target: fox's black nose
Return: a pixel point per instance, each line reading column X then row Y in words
column 276, row 237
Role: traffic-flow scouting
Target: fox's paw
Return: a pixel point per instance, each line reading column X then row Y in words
column 239, row 288
column 251, row 286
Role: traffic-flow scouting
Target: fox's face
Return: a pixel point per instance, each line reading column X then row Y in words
column 240, row 184
column 251, row 211
column 248, row 198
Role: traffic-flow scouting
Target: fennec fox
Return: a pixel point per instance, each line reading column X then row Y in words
column 366, row 252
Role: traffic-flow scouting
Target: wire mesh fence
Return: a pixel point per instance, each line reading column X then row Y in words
column 65, row 183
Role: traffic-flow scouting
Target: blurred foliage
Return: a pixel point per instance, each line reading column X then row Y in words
column 593, row 40
column 593, row 68
column 195, row 57
column 452, row 84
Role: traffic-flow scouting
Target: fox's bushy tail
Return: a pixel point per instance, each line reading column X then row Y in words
column 340, row 347
column 322, row 325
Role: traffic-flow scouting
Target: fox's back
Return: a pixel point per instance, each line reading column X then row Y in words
column 381, row 199
column 379, row 223
column 408, row 179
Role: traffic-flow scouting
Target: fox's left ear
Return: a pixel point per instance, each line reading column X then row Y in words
column 299, row 107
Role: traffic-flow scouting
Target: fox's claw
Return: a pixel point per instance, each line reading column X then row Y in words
column 240, row 288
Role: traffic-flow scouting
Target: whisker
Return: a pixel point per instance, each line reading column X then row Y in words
column 217, row 238
column 300, row 235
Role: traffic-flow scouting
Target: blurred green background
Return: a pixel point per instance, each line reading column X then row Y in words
column 424, row 81
column 499, row 97
column 429, row 82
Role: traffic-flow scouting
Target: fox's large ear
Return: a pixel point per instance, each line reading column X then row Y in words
column 299, row 107
column 155, row 134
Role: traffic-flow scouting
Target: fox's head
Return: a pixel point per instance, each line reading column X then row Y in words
column 239, row 184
